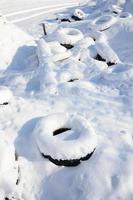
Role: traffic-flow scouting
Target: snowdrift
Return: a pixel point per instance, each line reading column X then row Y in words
column 17, row 48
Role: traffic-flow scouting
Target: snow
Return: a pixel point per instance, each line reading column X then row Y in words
column 13, row 46
column 5, row 95
column 51, row 51
column 119, row 37
column 40, row 78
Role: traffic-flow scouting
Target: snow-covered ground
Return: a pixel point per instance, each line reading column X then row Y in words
column 78, row 77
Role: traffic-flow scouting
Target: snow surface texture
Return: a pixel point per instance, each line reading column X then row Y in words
column 5, row 95
column 44, row 81
column 8, row 168
column 18, row 42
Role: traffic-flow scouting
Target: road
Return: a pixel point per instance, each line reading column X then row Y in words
column 27, row 12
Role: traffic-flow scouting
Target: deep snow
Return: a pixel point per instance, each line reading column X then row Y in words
column 40, row 78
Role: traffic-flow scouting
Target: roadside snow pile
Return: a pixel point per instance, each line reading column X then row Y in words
column 16, row 47
column 84, row 67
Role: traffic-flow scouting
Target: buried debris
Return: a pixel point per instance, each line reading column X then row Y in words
column 99, row 58
column 115, row 12
column 65, row 20
column 6, row 198
column 76, row 18
column 4, row 104
column 72, row 80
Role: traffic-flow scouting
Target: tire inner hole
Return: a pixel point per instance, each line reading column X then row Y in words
column 67, row 46
column 60, row 130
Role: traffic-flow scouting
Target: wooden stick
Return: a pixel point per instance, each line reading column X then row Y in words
column 44, row 29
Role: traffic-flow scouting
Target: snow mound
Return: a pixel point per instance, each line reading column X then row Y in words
column 51, row 52
column 75, row 143
column 119, row 38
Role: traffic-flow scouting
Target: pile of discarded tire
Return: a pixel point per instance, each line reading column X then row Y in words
column 65, row 139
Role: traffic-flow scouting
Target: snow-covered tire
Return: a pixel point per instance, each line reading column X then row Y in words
column 5, row 95
column 78, row 141
column 69, row 36
column 125, row 15
column 103, row 22
column 79, row 14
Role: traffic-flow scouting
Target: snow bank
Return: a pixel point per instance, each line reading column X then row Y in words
column 16, row 47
